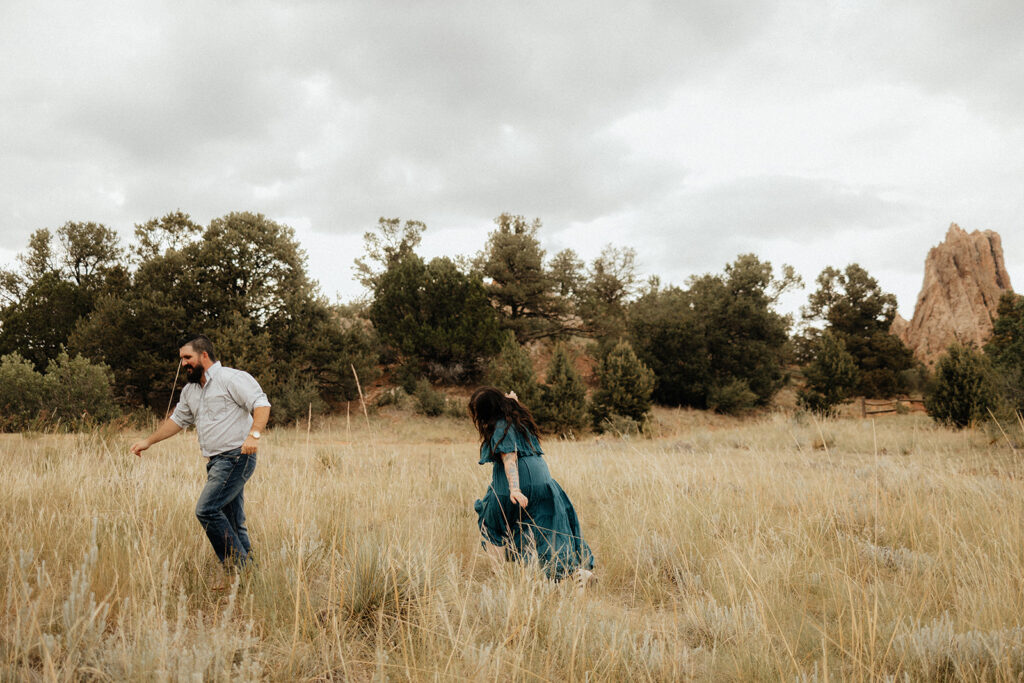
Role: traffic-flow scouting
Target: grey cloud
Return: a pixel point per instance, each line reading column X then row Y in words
column 200, row 106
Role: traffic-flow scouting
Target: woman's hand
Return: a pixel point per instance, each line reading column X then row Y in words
column 518, row 498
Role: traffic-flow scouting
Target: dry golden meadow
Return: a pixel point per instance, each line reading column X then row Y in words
column 775, row 548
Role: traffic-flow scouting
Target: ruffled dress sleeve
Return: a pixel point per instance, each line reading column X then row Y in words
column 502, row 441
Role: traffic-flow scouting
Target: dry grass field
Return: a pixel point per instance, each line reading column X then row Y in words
column 775, row 548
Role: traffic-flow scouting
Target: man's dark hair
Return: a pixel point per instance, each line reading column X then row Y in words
column 199, row 343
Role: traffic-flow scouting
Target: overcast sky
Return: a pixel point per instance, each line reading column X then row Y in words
column 811, row 133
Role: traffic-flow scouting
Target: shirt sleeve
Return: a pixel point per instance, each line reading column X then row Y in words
column 182, row 415
column 246, row 391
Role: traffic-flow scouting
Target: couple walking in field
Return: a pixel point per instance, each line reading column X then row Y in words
column 524, row 513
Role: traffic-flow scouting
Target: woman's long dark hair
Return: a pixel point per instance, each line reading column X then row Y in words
column 487, row 405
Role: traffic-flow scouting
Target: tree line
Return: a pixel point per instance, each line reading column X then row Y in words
column 106, row 315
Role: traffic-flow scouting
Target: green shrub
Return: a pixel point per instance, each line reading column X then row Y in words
column 624, row 386
column 294, row 398
column 22, row 392
column 732, row 398
column 429, row 401
column 78, row 392
column 963, row 391
column 563, row 402
column 73, row 393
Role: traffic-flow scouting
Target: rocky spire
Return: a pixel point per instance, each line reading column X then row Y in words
column 964, row 277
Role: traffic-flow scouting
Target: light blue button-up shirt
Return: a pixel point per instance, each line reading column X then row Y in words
column 221, row 409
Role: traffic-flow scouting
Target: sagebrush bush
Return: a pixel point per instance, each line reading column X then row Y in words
column 563, row 401
column 625, row 385
column 429, row 401
column 963, row 391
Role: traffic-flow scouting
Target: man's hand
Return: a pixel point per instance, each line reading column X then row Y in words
column 250, row 445
column 166, row 429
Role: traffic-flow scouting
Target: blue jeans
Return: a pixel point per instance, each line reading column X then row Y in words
column 220, row 507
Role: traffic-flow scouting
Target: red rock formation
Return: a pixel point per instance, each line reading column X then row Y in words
column 963, row 280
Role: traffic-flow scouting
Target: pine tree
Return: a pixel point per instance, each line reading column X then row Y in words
column 625, row 386
column 563, row 404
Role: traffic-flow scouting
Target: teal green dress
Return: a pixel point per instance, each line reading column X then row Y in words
column 547, row 524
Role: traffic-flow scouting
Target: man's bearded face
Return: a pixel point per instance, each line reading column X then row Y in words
column 194, row 373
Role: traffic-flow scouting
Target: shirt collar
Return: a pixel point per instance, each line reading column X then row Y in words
column 212, row 371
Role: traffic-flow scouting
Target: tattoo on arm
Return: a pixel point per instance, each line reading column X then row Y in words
column 511, row 462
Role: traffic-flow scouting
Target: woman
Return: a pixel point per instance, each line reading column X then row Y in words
column 524, row 510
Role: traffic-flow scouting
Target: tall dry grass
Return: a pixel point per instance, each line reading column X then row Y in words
column 770, row 549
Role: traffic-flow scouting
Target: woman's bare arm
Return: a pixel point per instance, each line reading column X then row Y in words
column 511, row 463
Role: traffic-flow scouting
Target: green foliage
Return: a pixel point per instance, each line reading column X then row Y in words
column 567, row 273
column 242, row 282
column 721, row 330
column 432, row 313
column 830, row 376
column 855, row 309
column 73, row 393
column 55, row 287
column 606, row 288
column 523, row 292
column 429, row 401
column 963, row 390
column 512, row 370
column 391, row 243
column 78, row 392
column 1006, row 350
column 296, row 398
column 670, row 338
column 624, row 388
column 732, row 398
column 38, row 325
column 563, row 398
column 22, row 393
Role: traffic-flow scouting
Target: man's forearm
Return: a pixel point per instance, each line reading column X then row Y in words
column 167, row 429
column 260, row 416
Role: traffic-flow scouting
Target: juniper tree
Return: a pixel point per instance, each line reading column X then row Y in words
column 512, row 370
column 563, row 403
column 624, row 388
column 830, row 376
column 962, row 391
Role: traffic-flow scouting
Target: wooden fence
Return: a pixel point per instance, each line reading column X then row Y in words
column 871, row 406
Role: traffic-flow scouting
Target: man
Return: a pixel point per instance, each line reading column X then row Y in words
column 229, row 410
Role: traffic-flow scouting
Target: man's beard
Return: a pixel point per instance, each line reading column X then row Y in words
column 194, row 374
